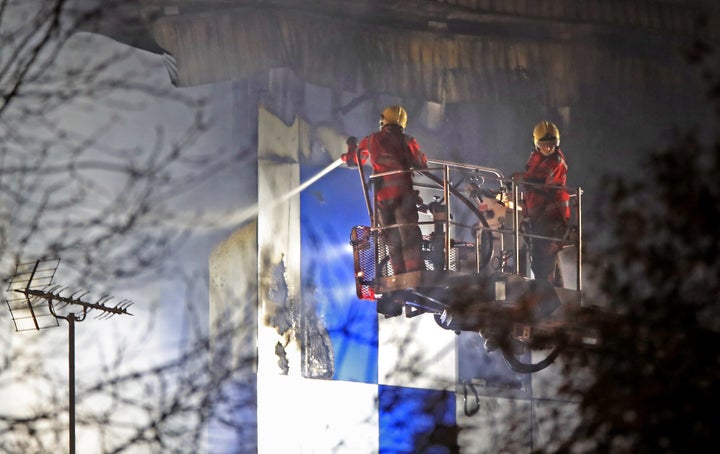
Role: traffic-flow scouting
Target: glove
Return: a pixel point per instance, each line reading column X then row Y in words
column 351, row 142
column 349, row 158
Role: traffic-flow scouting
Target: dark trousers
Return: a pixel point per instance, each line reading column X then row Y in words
column 543, row 253
column 404, row 243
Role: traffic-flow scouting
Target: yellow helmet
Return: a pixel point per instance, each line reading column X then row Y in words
column 393, row 115
column 546, row 131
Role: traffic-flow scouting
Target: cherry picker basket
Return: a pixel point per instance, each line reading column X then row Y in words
column 368, row 256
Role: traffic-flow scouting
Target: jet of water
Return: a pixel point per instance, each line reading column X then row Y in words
column 250, row 212
column 310, row 181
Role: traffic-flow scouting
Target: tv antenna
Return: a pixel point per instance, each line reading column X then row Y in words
column 38, row 303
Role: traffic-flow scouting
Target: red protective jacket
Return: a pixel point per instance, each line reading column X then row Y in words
column 391, row 149
column 549, row 170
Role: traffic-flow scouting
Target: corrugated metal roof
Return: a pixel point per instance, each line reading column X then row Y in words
column 644, row 14
column 441, row 51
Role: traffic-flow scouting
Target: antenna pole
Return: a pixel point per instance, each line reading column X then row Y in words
column 71, row 380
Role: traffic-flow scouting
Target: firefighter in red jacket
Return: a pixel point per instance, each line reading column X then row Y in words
column 547, row 209
column 390, row 149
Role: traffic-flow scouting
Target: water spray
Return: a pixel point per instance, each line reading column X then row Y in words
column 338, row 162
column 252, row 211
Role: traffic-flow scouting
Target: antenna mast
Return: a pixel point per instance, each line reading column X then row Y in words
column 38, row 304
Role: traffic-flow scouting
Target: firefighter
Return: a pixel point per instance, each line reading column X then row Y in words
column 547, row 209
column 391, row 149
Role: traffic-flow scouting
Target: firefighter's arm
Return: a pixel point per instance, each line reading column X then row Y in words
column 417, row 157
